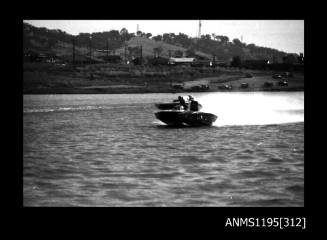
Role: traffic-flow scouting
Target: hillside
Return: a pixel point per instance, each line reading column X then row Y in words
column 57, row 42
column 148, row 45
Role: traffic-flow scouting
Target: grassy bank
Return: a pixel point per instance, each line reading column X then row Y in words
column 45, row 78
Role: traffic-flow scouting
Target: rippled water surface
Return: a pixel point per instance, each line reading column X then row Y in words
column 109, row 150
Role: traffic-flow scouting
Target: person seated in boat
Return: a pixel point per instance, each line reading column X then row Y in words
column 185, row 98
column 194, row 106
column 182, row 102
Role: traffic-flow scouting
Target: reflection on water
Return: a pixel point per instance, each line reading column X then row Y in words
column 109, row 150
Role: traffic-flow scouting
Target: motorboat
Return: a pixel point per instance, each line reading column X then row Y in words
column 186, row 118
column 184, row 112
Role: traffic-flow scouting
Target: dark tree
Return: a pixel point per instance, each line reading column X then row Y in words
column 125, row 36
column 166, row 37
column 157, row 38
column 236, row 61
column 237, row 42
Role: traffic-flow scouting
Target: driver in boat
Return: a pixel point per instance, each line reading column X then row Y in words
column 185, row 102
column 188, row 98
column 182, row 102
column 188, row 101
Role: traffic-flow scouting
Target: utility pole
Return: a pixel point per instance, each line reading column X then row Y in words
column 141, row 55
column 125, row 53
column 107, row 48
column 90, row 46
column 213, row 61
column 74, row 50
column 199, row 32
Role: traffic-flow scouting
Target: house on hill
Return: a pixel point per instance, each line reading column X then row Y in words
column 180, row 61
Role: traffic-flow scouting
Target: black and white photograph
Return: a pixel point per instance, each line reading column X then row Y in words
column 163, row 113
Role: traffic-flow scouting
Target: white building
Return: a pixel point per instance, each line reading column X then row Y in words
column 180, row 60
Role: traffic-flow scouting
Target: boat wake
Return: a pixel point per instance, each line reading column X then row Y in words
column 254, row 108
column 65, row 109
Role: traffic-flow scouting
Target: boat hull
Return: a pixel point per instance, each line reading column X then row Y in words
column 186, row 118
column 170, row 117
column 197, row 118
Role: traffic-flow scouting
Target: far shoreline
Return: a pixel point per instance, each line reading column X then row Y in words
column 69, row 92
column 40, row 78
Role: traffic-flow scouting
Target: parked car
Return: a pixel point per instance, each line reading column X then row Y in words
column 244, row 85
column 225, row 87
column 268, row 84
column 205, row 87
column 277, row 76
column 282, row 83
column 248, row 75
column 178, row 86
column 287, row 74
column 202, row 87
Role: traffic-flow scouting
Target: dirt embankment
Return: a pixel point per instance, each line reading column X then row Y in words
column 46, row 78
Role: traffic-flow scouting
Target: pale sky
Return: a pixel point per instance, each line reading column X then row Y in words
column 284, row 35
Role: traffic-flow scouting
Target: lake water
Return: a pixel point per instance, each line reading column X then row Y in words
column 109, row 150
